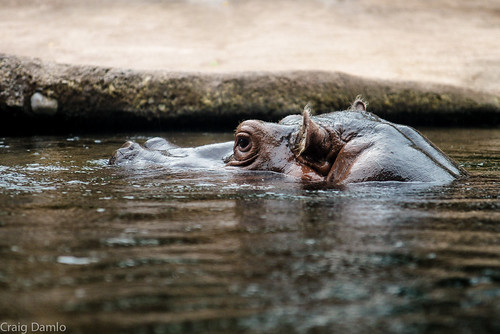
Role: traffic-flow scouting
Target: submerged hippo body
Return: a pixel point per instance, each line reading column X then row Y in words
column 340, row 147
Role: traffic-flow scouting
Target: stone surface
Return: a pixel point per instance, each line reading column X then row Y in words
column 43, row 105
column 213, row 63
column 452, row 42
column 95, row 98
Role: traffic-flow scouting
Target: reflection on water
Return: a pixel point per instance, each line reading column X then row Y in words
column 112, row 250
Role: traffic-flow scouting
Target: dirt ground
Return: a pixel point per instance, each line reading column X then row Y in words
column 445, row 41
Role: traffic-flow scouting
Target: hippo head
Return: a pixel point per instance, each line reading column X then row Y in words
column 339, row 148
column 297, row 146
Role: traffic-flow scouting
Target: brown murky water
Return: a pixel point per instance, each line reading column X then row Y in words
column 92, row 248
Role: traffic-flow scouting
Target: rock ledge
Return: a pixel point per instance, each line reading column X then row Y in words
column 43, row 97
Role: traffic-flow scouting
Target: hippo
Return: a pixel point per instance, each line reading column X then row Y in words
column 337, row 148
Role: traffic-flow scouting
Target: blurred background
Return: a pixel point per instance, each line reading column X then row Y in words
column 440, row 41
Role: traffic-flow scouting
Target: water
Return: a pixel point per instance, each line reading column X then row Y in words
column 103, row 249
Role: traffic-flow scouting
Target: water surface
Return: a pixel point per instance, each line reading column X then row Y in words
column 105, row 249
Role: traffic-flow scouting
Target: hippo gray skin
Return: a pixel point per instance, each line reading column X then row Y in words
column 337, row 148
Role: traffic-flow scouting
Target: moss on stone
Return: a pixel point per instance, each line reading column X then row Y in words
column 114, row 99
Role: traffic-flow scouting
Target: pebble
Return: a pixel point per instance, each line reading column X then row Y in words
column 43, row 105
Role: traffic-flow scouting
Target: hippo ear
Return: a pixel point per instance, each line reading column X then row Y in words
column 359, row 104
column 311, row 138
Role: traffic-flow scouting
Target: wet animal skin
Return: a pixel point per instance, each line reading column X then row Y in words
column 338, row 148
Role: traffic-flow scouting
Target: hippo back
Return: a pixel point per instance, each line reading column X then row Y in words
column 378, row 150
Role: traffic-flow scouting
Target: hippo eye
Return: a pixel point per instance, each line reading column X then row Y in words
column 243, row 142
